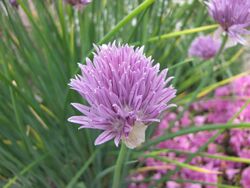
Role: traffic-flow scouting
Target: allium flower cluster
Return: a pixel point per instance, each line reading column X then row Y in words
column 235, row 142
column 233, row 17
column 204, row 47
column 125, row 92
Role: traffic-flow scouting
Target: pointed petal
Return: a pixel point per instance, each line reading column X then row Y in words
column 78, row 119
column 104, row 137
column 81, row 108
column 117, row 140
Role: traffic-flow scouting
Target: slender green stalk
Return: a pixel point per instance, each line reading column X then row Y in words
column 184, row 32
column 180, row 64
column 204, row 183
column 118, row 167
column 181, row 165
column 224, row 42
column 221, row 157
column 82, row 170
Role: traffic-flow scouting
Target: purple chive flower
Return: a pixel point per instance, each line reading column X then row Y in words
column 125, row 93
column 204, row 47
column 14, row 3
column 233, row 17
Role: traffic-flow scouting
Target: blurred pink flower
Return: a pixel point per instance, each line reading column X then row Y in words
column 245, row 179
column 204, row 47
column 226, row 102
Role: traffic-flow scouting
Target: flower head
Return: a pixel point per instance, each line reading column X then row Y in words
column 14, row 3
column 233, row 17
column 204, row 47
column 125, row 93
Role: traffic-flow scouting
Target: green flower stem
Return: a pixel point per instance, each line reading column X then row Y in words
column 221, row 157
column 181, row 63
column 183, row 32
column 224, row 42
column 75, row 178
column 180, row 164
column 204, row 183
column 118, row 167
column 108, row 170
